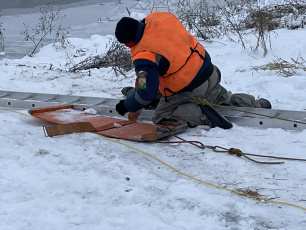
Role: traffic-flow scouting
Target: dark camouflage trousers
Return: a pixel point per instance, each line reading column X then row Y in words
column 180, row 106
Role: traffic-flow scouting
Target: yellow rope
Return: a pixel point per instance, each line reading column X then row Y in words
column 203, row 182
column 191, row 177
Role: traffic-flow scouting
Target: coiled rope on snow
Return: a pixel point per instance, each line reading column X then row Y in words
column 245, row 194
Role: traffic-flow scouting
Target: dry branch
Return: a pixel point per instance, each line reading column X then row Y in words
column 117, row 57
column 283, row 67
column 47, row 27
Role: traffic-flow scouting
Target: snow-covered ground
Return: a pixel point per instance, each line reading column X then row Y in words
column 83, row 181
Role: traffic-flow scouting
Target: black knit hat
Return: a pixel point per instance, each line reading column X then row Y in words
column 126, row 30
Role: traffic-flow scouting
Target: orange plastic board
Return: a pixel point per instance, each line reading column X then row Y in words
column 135, row 131
column 49, row 109
column 106, row 126
column 65, row 116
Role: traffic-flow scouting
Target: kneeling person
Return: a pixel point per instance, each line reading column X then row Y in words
column 171, row 62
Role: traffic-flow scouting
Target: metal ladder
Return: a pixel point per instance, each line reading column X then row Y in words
column 28, row 100
column 251, row 117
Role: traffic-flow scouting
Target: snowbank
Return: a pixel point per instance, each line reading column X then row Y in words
column 48, row 72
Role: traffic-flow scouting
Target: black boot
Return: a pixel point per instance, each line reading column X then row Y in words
column 263, row 103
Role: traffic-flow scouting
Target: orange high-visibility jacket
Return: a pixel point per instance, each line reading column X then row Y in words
column 165, row 35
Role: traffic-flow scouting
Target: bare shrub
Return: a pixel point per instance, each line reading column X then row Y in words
column 199, row 18
column 48, row 28
column 266, row 19
column 293, row 14
column 233, row 14
column 61, row 37
column 289, row 15
column 263, row 23
column 283, row 67
column 240, row 18
column 117, row 57
column 227, row 18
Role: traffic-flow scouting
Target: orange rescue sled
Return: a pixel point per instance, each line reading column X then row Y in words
column 65, row 119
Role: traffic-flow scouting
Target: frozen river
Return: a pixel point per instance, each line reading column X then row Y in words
column 83, row 18
column 13, row 4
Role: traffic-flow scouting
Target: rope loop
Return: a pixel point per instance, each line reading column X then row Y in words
column 246, row 194
column 232, row 151
column 218, row 149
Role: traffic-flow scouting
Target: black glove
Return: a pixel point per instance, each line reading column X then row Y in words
column 120, row 108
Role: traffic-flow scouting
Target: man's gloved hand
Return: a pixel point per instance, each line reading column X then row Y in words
column 120, row 108
column 133, row 116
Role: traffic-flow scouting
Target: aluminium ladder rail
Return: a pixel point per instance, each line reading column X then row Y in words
column 252, row 117
column 28, row 100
